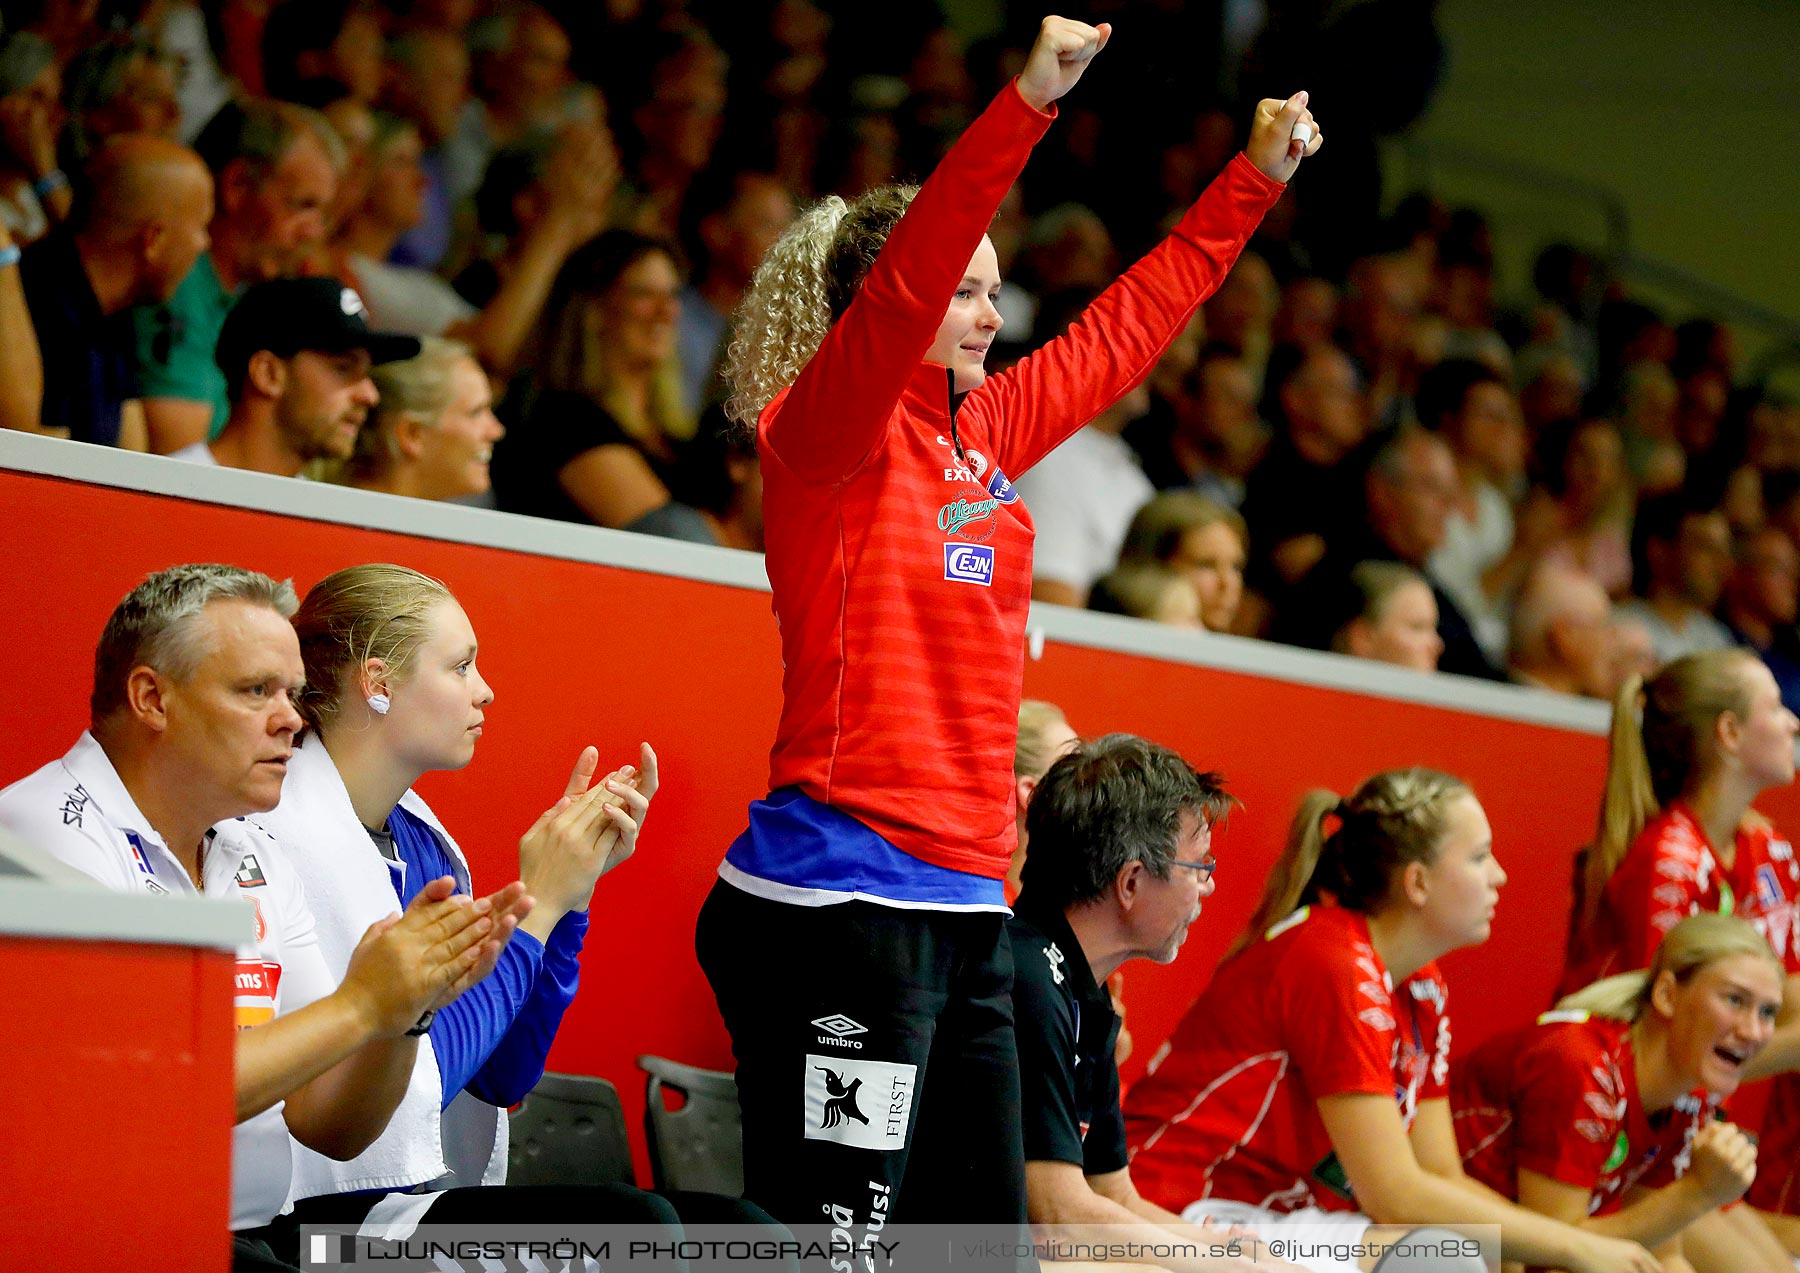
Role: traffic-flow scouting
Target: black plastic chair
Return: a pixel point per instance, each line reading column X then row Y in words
column 699, row 1146
column 570, row 1131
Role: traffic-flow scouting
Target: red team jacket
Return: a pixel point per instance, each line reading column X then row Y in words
column 901, row 570
column 1669, row 873
column 1560, row 1098
column 1303, row 1012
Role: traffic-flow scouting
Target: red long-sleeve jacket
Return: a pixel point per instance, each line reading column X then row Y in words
column 902, row 573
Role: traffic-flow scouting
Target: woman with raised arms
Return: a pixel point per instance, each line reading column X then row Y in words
column 855, row 939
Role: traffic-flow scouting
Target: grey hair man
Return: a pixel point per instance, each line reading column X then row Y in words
column 192, row 723
column 1562, row 634
column 1120, row 862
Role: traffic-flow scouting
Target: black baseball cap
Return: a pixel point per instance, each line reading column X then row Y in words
column 287, row 315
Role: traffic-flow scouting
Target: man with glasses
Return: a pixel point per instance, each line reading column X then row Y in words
column 1120, row 862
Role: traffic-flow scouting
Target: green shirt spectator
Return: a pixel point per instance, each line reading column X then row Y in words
column 274, row 167
column 175, row 343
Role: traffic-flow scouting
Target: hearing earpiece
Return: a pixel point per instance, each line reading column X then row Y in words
column 378, row 703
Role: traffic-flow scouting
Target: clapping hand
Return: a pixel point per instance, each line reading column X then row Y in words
column 445, row 942
column 589, row 831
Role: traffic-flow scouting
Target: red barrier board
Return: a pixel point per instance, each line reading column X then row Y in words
column 581, row 653
column 117, row 1105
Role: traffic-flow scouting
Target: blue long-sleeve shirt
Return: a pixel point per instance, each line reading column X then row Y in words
column 493, row 1038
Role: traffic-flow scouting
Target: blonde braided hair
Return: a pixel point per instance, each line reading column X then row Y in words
column 1394, row 819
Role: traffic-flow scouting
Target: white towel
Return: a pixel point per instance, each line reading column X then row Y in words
column 349, row 886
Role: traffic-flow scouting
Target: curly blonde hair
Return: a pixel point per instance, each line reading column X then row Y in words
column 803, row 286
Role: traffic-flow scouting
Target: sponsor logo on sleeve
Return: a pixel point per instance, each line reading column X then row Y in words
column 855, row 1102
column 969, row 563
column 1768, row 887
column 250, row 873
column 1001, row 489
column 257, row 983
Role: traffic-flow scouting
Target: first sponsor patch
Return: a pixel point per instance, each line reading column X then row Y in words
column 854, row 1102
column 969, row 563
column 250, row 873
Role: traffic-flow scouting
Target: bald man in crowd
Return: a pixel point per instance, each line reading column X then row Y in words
column 1562, row 633
column 137, row 228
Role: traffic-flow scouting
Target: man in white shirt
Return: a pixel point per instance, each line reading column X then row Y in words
column 1084, row 494
column 192, row 726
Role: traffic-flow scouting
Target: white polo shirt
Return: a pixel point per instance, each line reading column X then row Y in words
column 77, row 810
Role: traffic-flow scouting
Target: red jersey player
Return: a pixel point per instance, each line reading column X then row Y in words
column 899, row 558
column 1309, row 1082
column 1601, row 1113
column 1677, row 837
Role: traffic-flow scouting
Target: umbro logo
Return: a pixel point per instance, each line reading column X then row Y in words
column 837, row 1026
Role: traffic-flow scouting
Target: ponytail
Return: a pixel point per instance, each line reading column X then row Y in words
column 1290, row 881
column 805, row 282
column 1627, row 802
column 1394, row 819
column 1651, row 764
column 1697, row 942
column 1619, row 998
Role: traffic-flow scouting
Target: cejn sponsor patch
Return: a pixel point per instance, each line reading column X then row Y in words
column 969, row 563
column 855, row 1102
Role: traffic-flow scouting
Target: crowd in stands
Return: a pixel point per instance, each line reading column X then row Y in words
column 1364, row 441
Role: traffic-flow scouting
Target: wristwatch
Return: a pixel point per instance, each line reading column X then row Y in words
column 422, row 1024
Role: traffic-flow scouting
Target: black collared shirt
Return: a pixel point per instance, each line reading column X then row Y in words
column 1066, row 1030
column 89, row 372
